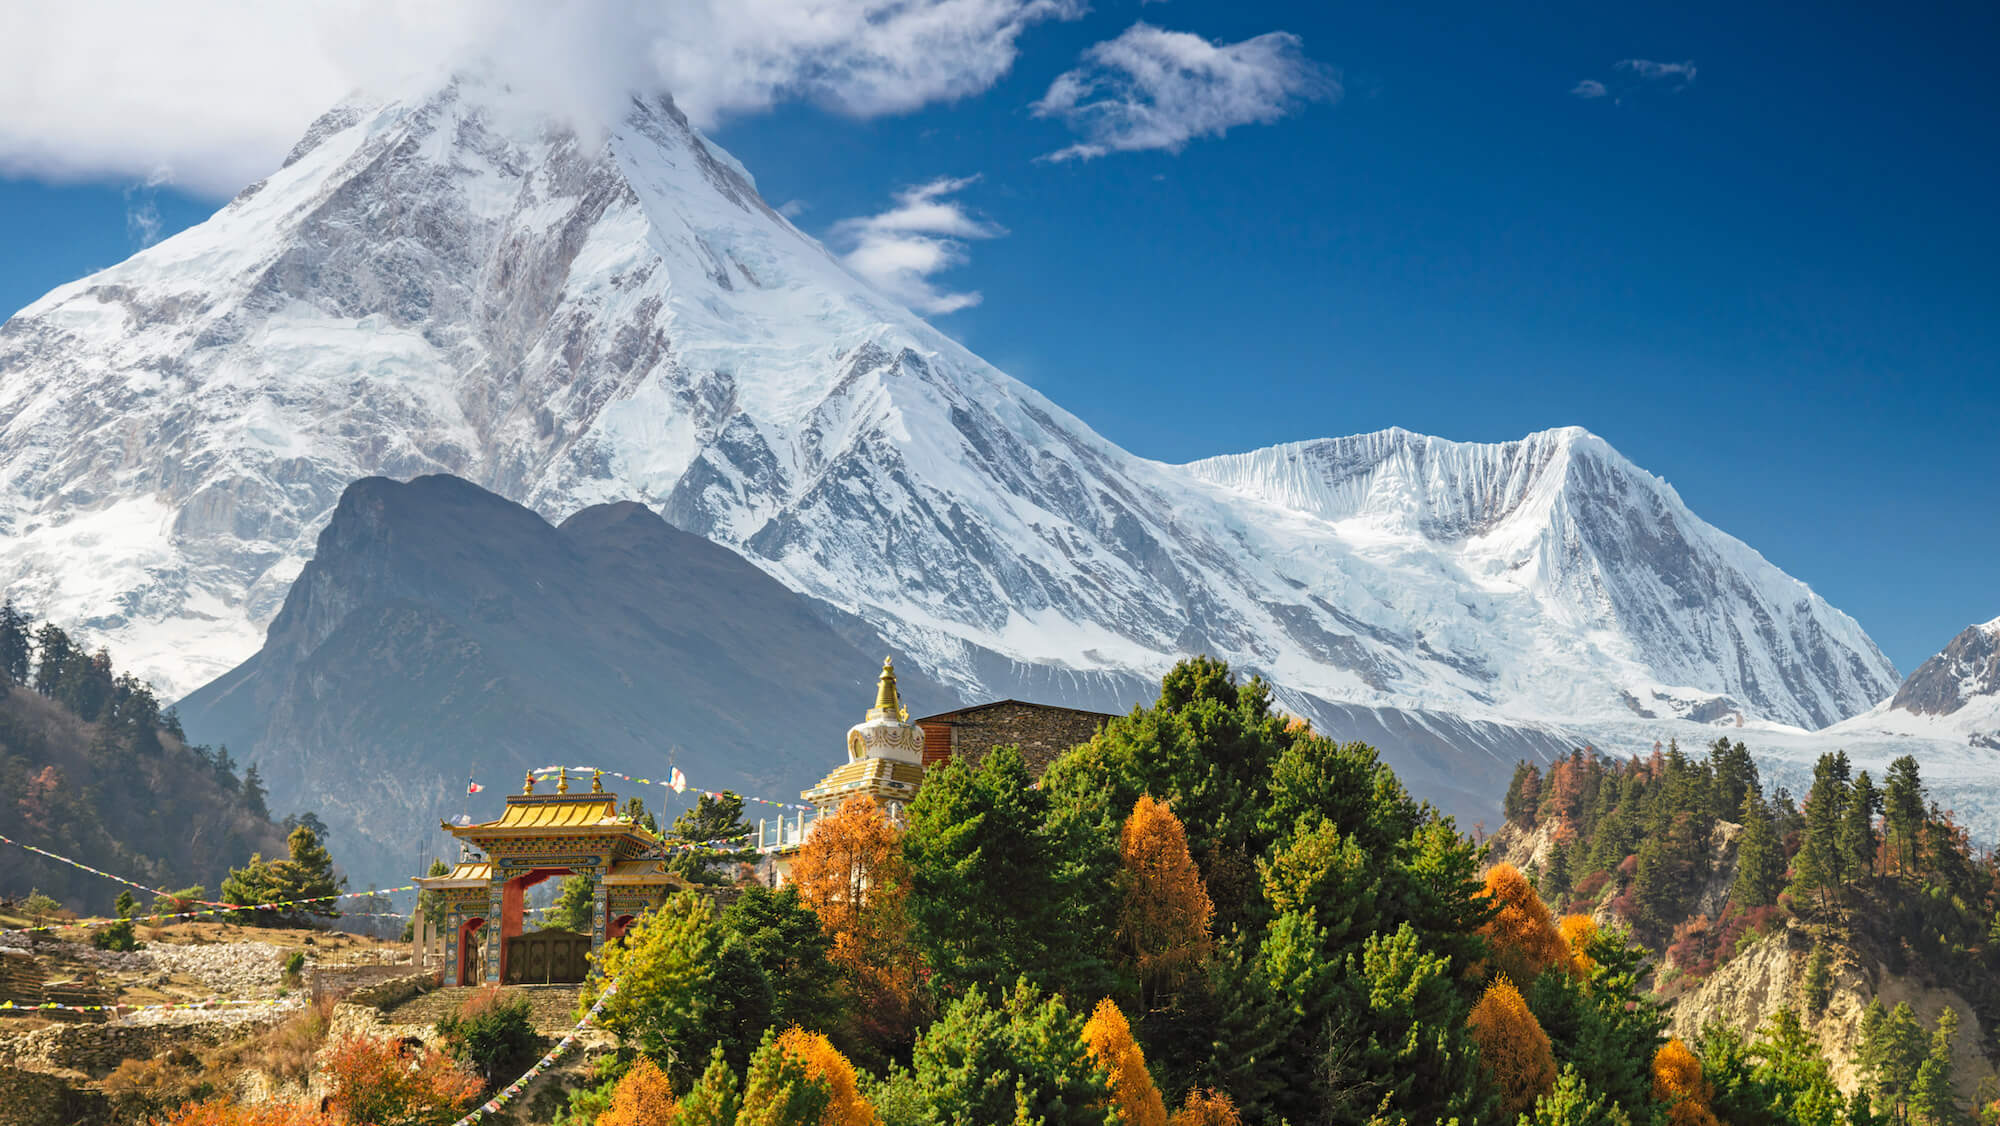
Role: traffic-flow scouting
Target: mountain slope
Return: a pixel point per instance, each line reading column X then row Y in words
column 1953, row 697
column 442, row 631
column 451, row 284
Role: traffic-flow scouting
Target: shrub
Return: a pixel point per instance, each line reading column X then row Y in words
column 295, row 964
column 824, row 1064
column 382, row 1083
column 115, row 936
column 492, row 1032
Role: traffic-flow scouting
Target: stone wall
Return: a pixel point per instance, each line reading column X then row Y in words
column 385, row 995
column 1042, row 732
column 97, row 1049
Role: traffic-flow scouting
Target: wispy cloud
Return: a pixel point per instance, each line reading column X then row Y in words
column 1156, row 89
column 793, row 208
column 142, row 210
column 924, row 234
column 218, row 90
column 1633, row 75
column 1680, row 73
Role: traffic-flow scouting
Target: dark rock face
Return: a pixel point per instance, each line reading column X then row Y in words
column 442, row 631
column 1968, row 667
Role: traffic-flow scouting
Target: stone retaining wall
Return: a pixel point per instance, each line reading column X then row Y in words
column 97, row 1049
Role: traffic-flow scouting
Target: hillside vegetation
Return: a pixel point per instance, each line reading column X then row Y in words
column 92, row 769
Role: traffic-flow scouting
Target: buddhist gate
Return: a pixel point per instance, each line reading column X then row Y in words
column 540, row 836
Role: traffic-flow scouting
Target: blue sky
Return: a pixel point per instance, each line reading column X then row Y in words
column 1772, row 283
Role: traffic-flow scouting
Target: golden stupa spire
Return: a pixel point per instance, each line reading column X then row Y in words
column 887, row 704
column 562, row 780
column 528, row 784
column 596, row 781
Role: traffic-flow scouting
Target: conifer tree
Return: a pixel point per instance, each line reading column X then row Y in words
column 1735, row 776
column 1933, row 1098
column 1857, row 828
column 666, row 970
column 1524, row 795
column 823, row 1064
column 1903, row 813
column 779, row 1091
column 1133, row 1094
column 53, row 656
column 1818, row 870
column 1556, row 872
column 1760, row 857
column 1514, row 1052
column 851, row 874
column 1679, row 1085
column 1163, row 922
column 254, row 793
column 1400, row 1025
column 1570, row 1103
column 15, row 647
column 642, row 1097
column 1206, row 1107
column 1522, row 934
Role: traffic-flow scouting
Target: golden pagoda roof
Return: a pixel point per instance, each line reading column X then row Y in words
column 466, row 873
column 868, row 775
column 584, row 811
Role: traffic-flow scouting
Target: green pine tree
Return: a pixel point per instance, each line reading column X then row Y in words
column 576, row 902
column 1760, row 857
column 1857, row 828
column 1933, row 1099
column 1571, row 1104
column 1903, row 813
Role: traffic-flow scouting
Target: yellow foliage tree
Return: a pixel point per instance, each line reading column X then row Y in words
column 823, row 1062
column 1163, row 921
column 1578, row 932
column 1522, row 934
column 851, row 873
column 1679, row 1083
column 1206, row 1108
column 1513, row 1049
column 1110, row 1041
column 643, row 1097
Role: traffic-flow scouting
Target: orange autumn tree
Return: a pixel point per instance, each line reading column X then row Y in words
column 381, row 1082
column 1513, row 1050
column 823, row 1063
column 1679, row 1083
column 1578, row 932
column 1206, row 1108
column 1521, row 933
column 1109, row 1038
column 643, row 1097
column 1163, row 921
column 226, row 1112
column 851, row 873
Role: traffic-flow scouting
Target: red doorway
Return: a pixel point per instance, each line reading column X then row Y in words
column 468, row 951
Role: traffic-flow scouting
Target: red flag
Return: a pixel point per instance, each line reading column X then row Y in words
column 472, row 787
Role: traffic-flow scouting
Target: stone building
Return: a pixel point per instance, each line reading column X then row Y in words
column 1042, row 731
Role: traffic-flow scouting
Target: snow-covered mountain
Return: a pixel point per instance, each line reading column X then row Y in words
column 1952, row 697
column 451, row 284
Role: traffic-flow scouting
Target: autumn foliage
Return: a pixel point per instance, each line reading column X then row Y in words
column 643, row 1097
column 1522, row 934
column 824, row 1064
column 382, row 1083
column 1163, row 921
column 1513, row 1049
column 1206, row 1108
column 851, row 873
column 1109, row 1038
column 227, row 1112
column 1578, row 932
column 1679, row 1083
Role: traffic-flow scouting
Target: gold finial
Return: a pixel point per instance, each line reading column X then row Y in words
column 597, row 781
column 528, row 786
column 887, row 704
column 562, row 780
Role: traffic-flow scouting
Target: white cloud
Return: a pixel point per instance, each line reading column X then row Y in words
column 1588, row 88
column 899, row 250
column 1156, row 89
column 793, row 208
column 218, row 90
column 1651, row 71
